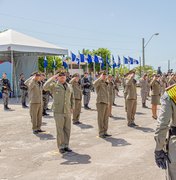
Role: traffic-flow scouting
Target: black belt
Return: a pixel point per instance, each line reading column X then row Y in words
column 172, row 131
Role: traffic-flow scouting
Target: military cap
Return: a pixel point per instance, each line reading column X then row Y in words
column 103, row 72
column 131, row 71
column 110, row 75
column 75, row 75
column 61, row 72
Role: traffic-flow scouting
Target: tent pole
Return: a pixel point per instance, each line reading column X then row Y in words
column 12, row 71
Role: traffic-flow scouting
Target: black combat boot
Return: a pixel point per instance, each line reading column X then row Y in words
column 44, row 113
column 144, row 106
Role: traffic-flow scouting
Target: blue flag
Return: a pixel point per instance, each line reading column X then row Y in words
column 131, row 60
column 65, row 65
column 89, row 58
column 119, row 62
column 107, row 60
column 73, row 57
column 82, row 57
column 136, row 61
column 126, row 61
column 114, row 65
column 96, row 60
column 54, row 64
column 45, row 62
column 77, row 60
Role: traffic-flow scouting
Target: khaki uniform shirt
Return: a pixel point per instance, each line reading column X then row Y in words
column 76, row 89
column 156, row 88
column 130, row 89
column 144, row 85
column 63, row 98
column 168, row 111
column 102, row 91
column 35, row 90
column 171, row 82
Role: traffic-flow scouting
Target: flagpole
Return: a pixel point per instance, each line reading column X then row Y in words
column 140, row 66
column 87, row 67
column 94, row 69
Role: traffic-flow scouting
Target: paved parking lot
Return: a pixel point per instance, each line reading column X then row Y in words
column 127, row 155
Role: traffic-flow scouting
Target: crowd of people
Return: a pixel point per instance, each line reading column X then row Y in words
column 68, row 91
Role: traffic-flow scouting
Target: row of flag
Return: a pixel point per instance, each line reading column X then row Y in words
column 81, row 58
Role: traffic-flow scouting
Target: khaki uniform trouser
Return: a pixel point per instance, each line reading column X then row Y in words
column 77, row 110
column 144, row 96
column 125, row 95
column 103, row 115
column 36, row 115
column 5, row 97
column 171, row 171
column 63, row 128
column 131, row 110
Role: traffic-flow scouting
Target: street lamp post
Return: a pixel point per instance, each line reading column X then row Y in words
column 144, row 46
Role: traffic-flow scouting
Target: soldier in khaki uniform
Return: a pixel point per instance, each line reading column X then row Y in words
column 144, row 90
column 35, row 98
column 75, row 82
column 172, row 79
column 131, row 98
column 63, row 106
column 111, row 93
column 124, row 89
column 101, row 87
column 163, row 82
column 155, row 94
column 165, row 151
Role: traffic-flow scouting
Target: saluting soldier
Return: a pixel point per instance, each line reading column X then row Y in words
column 102, row 101
column 63, row 106
column 163, row 82
column 6, row 89
column 131, row 98
column 172, row 79
column 24, row 90
column 165, row 135
column 144, row 90
column 75, row 82
column 155, row 94
column 124, row 89
column 35, row 98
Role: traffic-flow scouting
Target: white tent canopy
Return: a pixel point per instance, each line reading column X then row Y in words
column 23, row 51
column 19, row 43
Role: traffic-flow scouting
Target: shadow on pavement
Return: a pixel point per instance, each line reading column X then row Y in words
column 45, row 136
column 117, row 142
column 84, row 126
column 140, row 113
column 75, row 158
column 145, row 129
column 44, row 123
column 118, row 105
column 118, row 118
column 48, row 117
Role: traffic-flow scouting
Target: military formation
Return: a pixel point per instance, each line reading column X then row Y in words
column 67, row 93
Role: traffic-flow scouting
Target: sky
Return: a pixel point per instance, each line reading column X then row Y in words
column 118, row 25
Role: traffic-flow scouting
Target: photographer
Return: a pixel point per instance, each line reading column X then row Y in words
column 86, row 86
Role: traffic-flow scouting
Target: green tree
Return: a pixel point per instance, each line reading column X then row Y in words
column 103, row 52
column 49, row 68
column 140, row 70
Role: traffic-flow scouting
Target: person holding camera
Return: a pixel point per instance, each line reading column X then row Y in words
column 86, row 85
